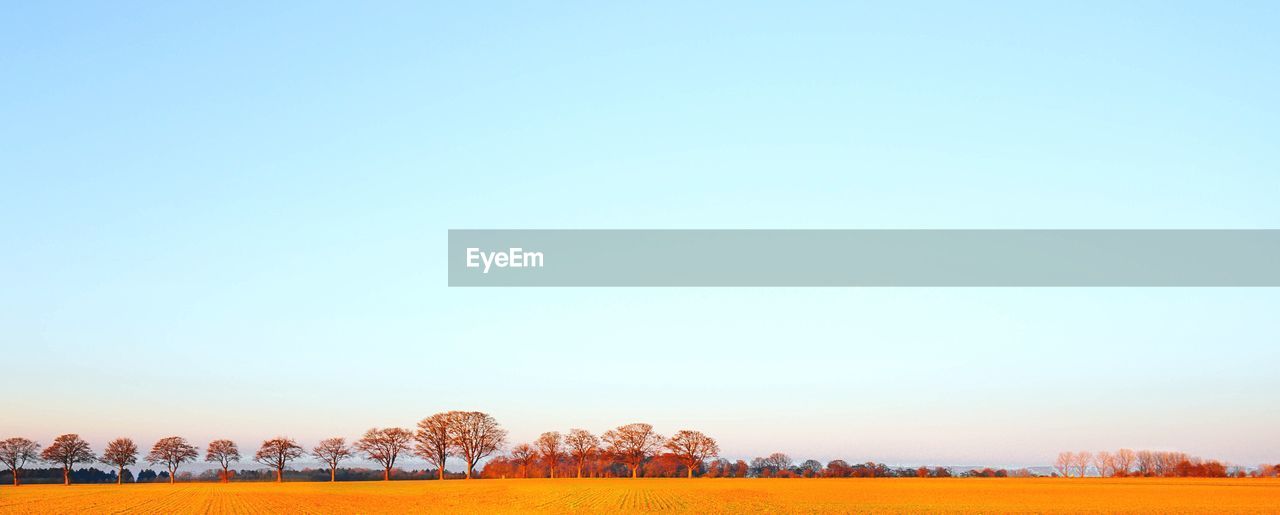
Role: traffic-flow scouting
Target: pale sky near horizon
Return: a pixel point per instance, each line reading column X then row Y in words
column 229, row 220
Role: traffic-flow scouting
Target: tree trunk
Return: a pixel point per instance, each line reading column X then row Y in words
column 442, row 471
column 690, row 472
column 172, row 476
column 469, row 464
column 633, row 471
column 386, row 474
column 579, row 471
column 333, row 473
column 120, row 476
column 226, row 475
column 66, row 475
column 15, row 477
column 280, row 475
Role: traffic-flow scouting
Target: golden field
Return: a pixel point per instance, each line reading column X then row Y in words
column 677, row 495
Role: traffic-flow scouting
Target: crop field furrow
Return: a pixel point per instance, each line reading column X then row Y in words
column 178, row 497
column 567, row 499
column 8, row 502
column 653, row 501
column 588, row 498
column 223, row 500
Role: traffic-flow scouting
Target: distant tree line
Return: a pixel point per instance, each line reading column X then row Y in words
column 631, row 450
column 635, row 450
column 1144, row 463
column 1267, row 470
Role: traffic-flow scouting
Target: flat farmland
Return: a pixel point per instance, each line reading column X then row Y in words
column 671, row 495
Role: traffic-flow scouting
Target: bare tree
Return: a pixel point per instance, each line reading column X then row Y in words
column 1147, row 463
column 277, row 453
column 474, row 435
column 1105, row 462
column 525, row 455
column 1081, row 462
column 331, row 451
column 224, row 453
column 1064, row 463
column 434, row 442
column 693, row 448
column 384, row 446
column 582, row 446
column 172, row 451
column 16, row 452
column 1168, row 462
column 551, row 447
column 120, row 452
column 1124, row 461
column 67, row 450
column 633, row 444
column 778, row 462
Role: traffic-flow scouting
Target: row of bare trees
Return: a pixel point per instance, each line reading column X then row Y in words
column 631, row 445
column 69, row 449
column 469, row 435
column 473, row 436
column 1127, row 462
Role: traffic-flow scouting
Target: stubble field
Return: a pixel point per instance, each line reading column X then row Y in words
column 677, row 495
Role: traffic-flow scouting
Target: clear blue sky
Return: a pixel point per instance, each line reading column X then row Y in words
column 229, row 220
